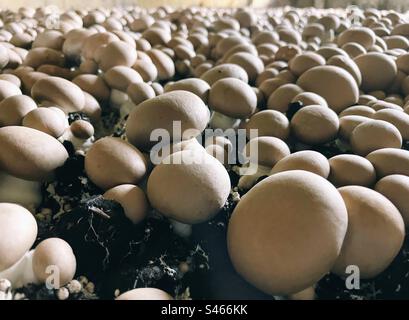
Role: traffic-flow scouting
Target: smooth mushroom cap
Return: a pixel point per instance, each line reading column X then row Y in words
column 13, row 109
column 67, row 95
column 396, row 188
column 120, row 77
column 139, row 92
column 269, row 123
column 197, row 86
column 297, row 214
column 177, row 105
column 302, row 62
column 145, row 294
column 30, row 154
column 117, row 53
column 373, row 135
column 132, row 199
column 315, row 124
column 226, row 70
column 349, row 169
column 282, row 96
column 57, row 253
column 46, row 120
column 389, row 161
column 232, row 97
column 82, row 129
column 375, row 232
column 266, row 151
column 334, row 84
column 8, row 89
column 15, row 220
column 359, row 110
column 112, row 161
column 307, row 160
column 396, row 117
column 310, row 98
column 191, row 173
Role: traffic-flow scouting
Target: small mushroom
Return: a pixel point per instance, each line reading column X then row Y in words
column 145, row 294
column 46, row 120
column 269, row 123
column 389, row 161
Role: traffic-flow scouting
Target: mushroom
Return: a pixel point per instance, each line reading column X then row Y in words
column 191, row 173
column 282, row 96
column 307, row 160
column 315, row 124
column 197, row 86
column 269, row 123
column 111, row 162
column 13, row 109
column 132, row 199
column 296, row 213
column 310, row 98
column 396, row 117
column 46, row 120
column 389, row 161
column 8, row 89
column 375, row 232
column 145, row 294
column 176, row 107
column 230, row 99
column 349, row 169
column 225, row 70
column 373, row 135
column 262, row 153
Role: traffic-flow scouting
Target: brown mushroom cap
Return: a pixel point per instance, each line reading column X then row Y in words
column 375, row 232
column 191, row 173
column 59, row 91
column 15, row 220
column 315, row 124
column 378, row 70
column 30, row 154
column 117, row 53
column 39, row 56
column 307, row 160
column 302, row 62
column 373, row 135
column 396, row 188
column 334, row 84
column 266, row 151
column 94, row 85
column 139, row 92
column 396, row 117
column 112, row 161
column 8, row 89
column 349, row 169
column 348, row 65
column 82, row 129
column 197, row 86
column 145, row 294
column 269, row 123
column 11, row 78
column 147, row 70
column 232, row 97
column 163, row 63
column 361, row 35
column 347, row 125
column 282, row 96
column 226, row 70
column 297, row 214
column 173, row 106
column 132, row 199
column 57, row 253
column 359, row 110
column 310, row 98
column 13, row 109
column 46, row 120
column 120, row 77
column 389, row 161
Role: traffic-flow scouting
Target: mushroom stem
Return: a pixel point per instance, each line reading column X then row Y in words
column 21, row 273
column 220, row 121
column 249, row 178
column 181, row 229
column 24, row 192
column 78, row 143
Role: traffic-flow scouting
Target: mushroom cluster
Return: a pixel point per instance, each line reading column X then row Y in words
column 269, row 145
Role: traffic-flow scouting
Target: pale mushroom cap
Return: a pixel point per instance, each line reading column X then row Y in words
column 117, row 53
column 359, row 110
column 334, row 84
column 226, row 70
column 94, row 85
column 163, row 63
column 266, row 151
column 30, row 154
column 46, row 120
column 347, row 124
column 389, row 161
column 287, row 231
column 396, row 117
column 82, row 129
column 145, row 294
column 8, row 89
column 54, row 252
column 315, row 124
column 132, row 199
column 201, row 181
column 178, row 105
column 282, row 96
column 232, row 97
column 269, row 123
column 349, row 169
column 62, row 92
column 310, row 98
column 373, row 135
column 15, row 220
column 120, row 77
column 375, row 232
column 139, row 92
column 302, row 62
column 378, row 71
column 13, row 109
column 197, row 86
column 112, row 161
column 307, row 160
